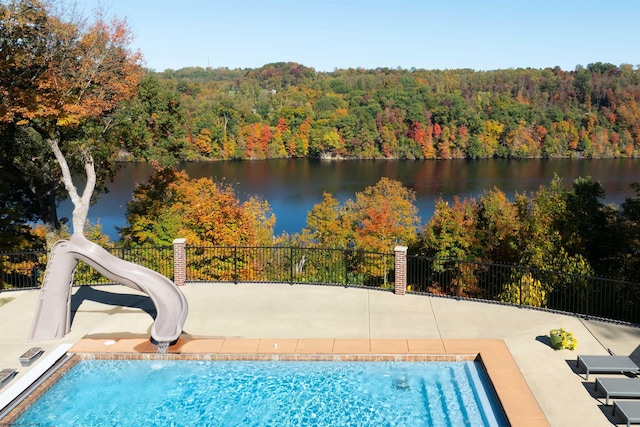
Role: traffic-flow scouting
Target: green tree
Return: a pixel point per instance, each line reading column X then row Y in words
column 23, row 190
column 151, row 124
column 630, row 224
column 498, row 228
column 588, row 227
column 541, row 243
column 451, row 231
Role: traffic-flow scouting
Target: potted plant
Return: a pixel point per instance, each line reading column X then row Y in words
column 561, row 339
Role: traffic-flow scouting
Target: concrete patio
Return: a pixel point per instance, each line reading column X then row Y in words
column 253, row 317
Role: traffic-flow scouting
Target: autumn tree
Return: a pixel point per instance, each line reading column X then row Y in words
column 380, row 218
column 424, row 138
column 379, row 113
column 62, row 78
column 451, row 231
column 540, row 242
column 531, row 230
column 383, row 216
column 206, row 213
column 498, row 227
column 327, row 225
column 528, row 231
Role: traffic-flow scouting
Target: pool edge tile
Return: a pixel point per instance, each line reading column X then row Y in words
column 202, row 345
column 389, row 346
column 277, row 346
column 425, row 346
column 351, row 346
column 240, row 346
column 309, row 346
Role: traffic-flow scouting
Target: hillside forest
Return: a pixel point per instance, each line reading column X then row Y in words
column 288, row 110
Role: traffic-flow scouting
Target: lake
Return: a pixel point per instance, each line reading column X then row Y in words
column 293, row 186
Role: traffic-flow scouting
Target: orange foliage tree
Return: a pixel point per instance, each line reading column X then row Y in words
column 206, row 213
column 62, row 78
column 381, row 217
column 384, row 215
column 424, row 138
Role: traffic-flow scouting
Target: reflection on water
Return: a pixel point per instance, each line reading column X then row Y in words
column 293, row 187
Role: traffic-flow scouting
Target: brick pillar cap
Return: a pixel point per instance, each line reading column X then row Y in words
column 400, row 249
column 179, row 241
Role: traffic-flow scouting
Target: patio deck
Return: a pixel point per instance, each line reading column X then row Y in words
column 246, row 320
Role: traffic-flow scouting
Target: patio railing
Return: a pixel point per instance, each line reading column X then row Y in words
column 289, row 265
column 506, row 284
column 594, row 297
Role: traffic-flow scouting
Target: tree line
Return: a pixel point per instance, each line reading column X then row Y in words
column 555, row 229
column 288, row 110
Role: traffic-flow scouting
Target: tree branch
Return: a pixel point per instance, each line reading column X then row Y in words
column 80, row 203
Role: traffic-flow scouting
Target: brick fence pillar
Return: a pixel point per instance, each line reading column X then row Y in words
column 401, row 269
column 179, row 261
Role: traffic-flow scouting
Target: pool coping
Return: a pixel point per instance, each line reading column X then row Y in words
column 518, row 403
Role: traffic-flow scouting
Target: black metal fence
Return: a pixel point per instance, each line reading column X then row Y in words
column 290, row 265
column 157, row 258
column 507, row 284
column 22, row 270
column 519, row 285
column 25, row 270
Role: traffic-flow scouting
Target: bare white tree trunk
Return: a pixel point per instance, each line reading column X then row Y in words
column 80, row 203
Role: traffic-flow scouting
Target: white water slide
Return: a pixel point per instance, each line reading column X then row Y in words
column 53, row 313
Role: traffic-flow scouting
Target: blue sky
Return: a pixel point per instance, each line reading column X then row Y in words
column 430, row 34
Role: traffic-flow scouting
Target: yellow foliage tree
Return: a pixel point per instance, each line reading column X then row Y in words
column 525, row 291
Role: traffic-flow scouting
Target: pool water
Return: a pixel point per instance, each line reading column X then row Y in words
column 237, row 393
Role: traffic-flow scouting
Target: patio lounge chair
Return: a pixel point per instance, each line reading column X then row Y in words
column 606, row 364
column 619, row 387
column 629, row 410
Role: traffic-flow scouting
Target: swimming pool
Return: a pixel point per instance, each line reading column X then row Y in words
column 234, row 393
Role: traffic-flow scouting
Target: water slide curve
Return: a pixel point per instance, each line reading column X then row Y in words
column 53, row 312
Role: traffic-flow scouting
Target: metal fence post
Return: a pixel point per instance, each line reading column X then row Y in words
column 520, row 285
column 349, row 252
column 459, row 280
column 235, row 265
column 291, row 265
column 587, row 288
column 346, row 268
